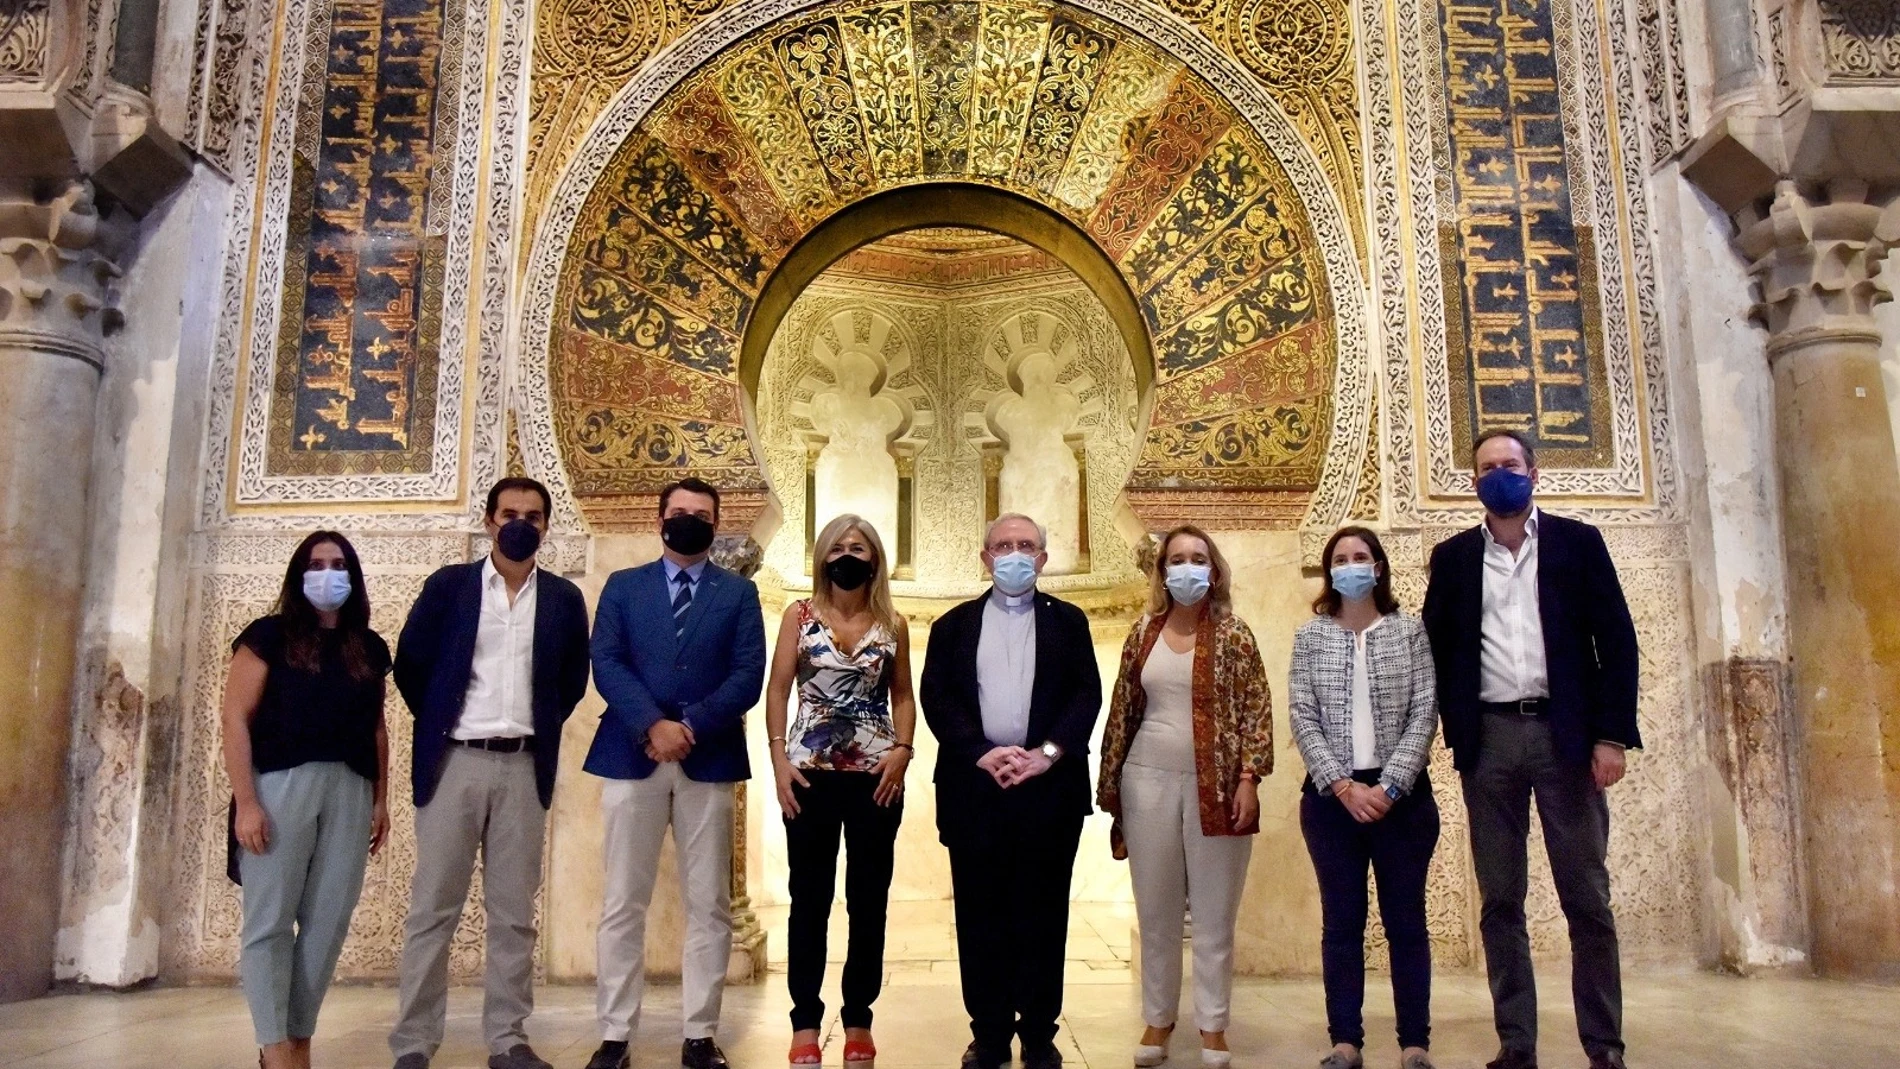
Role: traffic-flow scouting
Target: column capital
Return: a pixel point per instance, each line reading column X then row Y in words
column 58, row 277
column 1815, row 253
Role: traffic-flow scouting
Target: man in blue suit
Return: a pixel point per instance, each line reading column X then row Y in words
column 492, row 660
column 679, row 655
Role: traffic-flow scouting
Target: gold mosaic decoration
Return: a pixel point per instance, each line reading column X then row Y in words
column 727, row 173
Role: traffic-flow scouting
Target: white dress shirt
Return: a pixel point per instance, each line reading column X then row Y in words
column 1365, row 730
column 500, row 700
column 1511, row 659
column 1006, row 667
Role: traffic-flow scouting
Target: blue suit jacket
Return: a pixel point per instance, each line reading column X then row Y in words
column 707, row 679
column 436, row 655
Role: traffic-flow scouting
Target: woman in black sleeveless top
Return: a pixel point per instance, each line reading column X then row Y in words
column 308, row 756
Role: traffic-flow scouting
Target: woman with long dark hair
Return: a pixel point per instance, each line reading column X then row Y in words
column 308, row 755
column 1364, row 707
column 839, row 767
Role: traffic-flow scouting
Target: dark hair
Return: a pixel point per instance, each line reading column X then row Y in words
column 1523, row 441
column 691, row 486
column 519, row 482
column 302, row 644
column 1328, row 602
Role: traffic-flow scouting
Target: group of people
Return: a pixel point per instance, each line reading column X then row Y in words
column 1524, row 650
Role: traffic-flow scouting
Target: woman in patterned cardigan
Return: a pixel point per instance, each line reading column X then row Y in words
column 1190, row 734
column 1364, row 707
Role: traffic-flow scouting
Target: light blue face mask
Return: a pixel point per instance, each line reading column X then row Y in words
column 1188, row 583
column 1355, row 581
column 1015, row 573
column 326, row 589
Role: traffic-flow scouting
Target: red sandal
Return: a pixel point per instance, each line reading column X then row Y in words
column 809, row 1054
column 859, row 1052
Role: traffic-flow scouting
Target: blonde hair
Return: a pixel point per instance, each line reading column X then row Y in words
column 879, row 599
column 1219, row 593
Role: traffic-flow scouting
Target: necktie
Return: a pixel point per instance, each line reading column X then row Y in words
column 681, row 601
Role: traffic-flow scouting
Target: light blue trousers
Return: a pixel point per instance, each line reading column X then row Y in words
column 299, row 894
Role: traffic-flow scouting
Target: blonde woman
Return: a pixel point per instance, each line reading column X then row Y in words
column 1190, row 734
column 840, row 769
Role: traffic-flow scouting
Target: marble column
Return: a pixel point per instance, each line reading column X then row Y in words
column 1815, row 255
column 747, row 963
column 55, row 309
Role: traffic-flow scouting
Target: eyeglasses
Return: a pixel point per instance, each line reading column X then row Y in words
column 1027, row 545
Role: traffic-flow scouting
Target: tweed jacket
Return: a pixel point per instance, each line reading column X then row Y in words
column 1233, row 719
column 1404, row 698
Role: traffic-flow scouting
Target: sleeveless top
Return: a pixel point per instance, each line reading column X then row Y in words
column 326, row 715
column 843, row 720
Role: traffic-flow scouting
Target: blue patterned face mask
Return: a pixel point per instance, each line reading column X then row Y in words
column 1015, row 573
column 1355, row 581
column 1188, row 583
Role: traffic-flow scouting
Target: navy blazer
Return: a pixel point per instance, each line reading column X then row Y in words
column 1589, row 640
column 1064, row 702
column 436, row 655
column 707, row 678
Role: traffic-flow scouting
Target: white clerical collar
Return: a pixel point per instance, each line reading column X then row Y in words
column 1013, row 603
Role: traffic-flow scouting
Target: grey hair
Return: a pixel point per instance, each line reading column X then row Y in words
column 1042, row 533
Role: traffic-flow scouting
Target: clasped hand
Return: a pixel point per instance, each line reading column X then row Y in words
column 669, row 740
column 1366, row 804
column 1011, row 765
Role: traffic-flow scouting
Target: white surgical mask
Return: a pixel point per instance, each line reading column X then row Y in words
column 326, row 589
column 1189, row 583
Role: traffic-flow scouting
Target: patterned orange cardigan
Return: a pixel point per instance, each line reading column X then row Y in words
column 1233, row 719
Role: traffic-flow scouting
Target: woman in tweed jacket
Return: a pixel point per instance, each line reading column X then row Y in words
column 1364, row 708
column 1189, row 735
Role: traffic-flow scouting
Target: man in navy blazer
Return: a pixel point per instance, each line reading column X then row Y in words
column 1537, row 682
column 679, row 655
column 492, row 660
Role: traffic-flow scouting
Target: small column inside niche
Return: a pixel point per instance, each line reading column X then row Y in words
column 906, row 538
column 992, row 480
column 1082, row 561
column 813, row 446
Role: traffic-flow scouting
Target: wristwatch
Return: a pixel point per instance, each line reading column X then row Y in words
column 1052, row 751
column 1393, row 792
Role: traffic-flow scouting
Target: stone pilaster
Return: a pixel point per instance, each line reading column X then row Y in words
column 747, row 964
column 56, row 306
column 1815, row 255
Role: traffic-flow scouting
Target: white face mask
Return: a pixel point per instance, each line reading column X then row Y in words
column 1189, row 583
column 326, row 589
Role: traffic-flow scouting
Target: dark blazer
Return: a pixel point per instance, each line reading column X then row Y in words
column 1063, row 705
column 436, row 655
column 1589, row 641
column 707, row 679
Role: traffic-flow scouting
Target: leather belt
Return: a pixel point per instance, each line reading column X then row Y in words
column 1521, row 707
column 512, row 744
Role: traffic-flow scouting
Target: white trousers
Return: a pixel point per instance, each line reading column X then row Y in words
column 637, row 813
column 1176, row 869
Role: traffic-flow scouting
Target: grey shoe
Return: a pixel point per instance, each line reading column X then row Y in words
column 519, row 1056
column 1336, row 1060
column 1418, row 1061
column 413, row 1061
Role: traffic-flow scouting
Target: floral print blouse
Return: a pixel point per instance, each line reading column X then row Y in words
column 843, row 722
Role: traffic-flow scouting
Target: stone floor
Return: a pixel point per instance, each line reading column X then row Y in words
column 1673, row 1020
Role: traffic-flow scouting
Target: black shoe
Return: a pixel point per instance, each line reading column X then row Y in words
column 611, row 1054
column 1044, row 1057
column 1511, row 1058
column 413, row 1061
column 1609, row 1059
column 519, row 1056
column 976, row 1057
column 702, row 1054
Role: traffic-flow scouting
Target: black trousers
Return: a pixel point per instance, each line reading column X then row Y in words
column 1516, row 762
column 1011, row 882
column 1399, row 848
column 838, row 802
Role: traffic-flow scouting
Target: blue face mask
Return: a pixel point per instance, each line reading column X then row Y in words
column 1015, row 573
column 1188, row 583
column 326, row 589
column 1505, row 492
column 1355, row 581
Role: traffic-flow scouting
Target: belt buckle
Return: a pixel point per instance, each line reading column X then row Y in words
column 1524, row 706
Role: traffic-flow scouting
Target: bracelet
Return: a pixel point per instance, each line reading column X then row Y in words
column 904, row 746
column 776, row 738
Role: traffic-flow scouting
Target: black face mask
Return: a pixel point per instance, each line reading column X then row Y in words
column 517, row 540
column 849, row 572
column 686, row 534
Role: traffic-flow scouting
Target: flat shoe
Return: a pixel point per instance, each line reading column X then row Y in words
column 1147, row 1057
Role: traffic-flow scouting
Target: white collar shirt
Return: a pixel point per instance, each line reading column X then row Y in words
column 1511, row 663
column 1006, row 667
column 500, row 699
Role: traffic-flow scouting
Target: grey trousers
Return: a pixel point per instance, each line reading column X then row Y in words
column 1516, row 762
column 299, row 894
column 487, row 802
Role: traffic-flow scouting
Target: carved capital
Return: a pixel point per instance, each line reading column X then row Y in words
column 738, row 553
column 57, row 275
column 1816, row 261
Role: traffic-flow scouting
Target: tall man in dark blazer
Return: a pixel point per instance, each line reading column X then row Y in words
column 1537, row 672
column 679, row 654
column 492, row 660
column 1011, row 691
